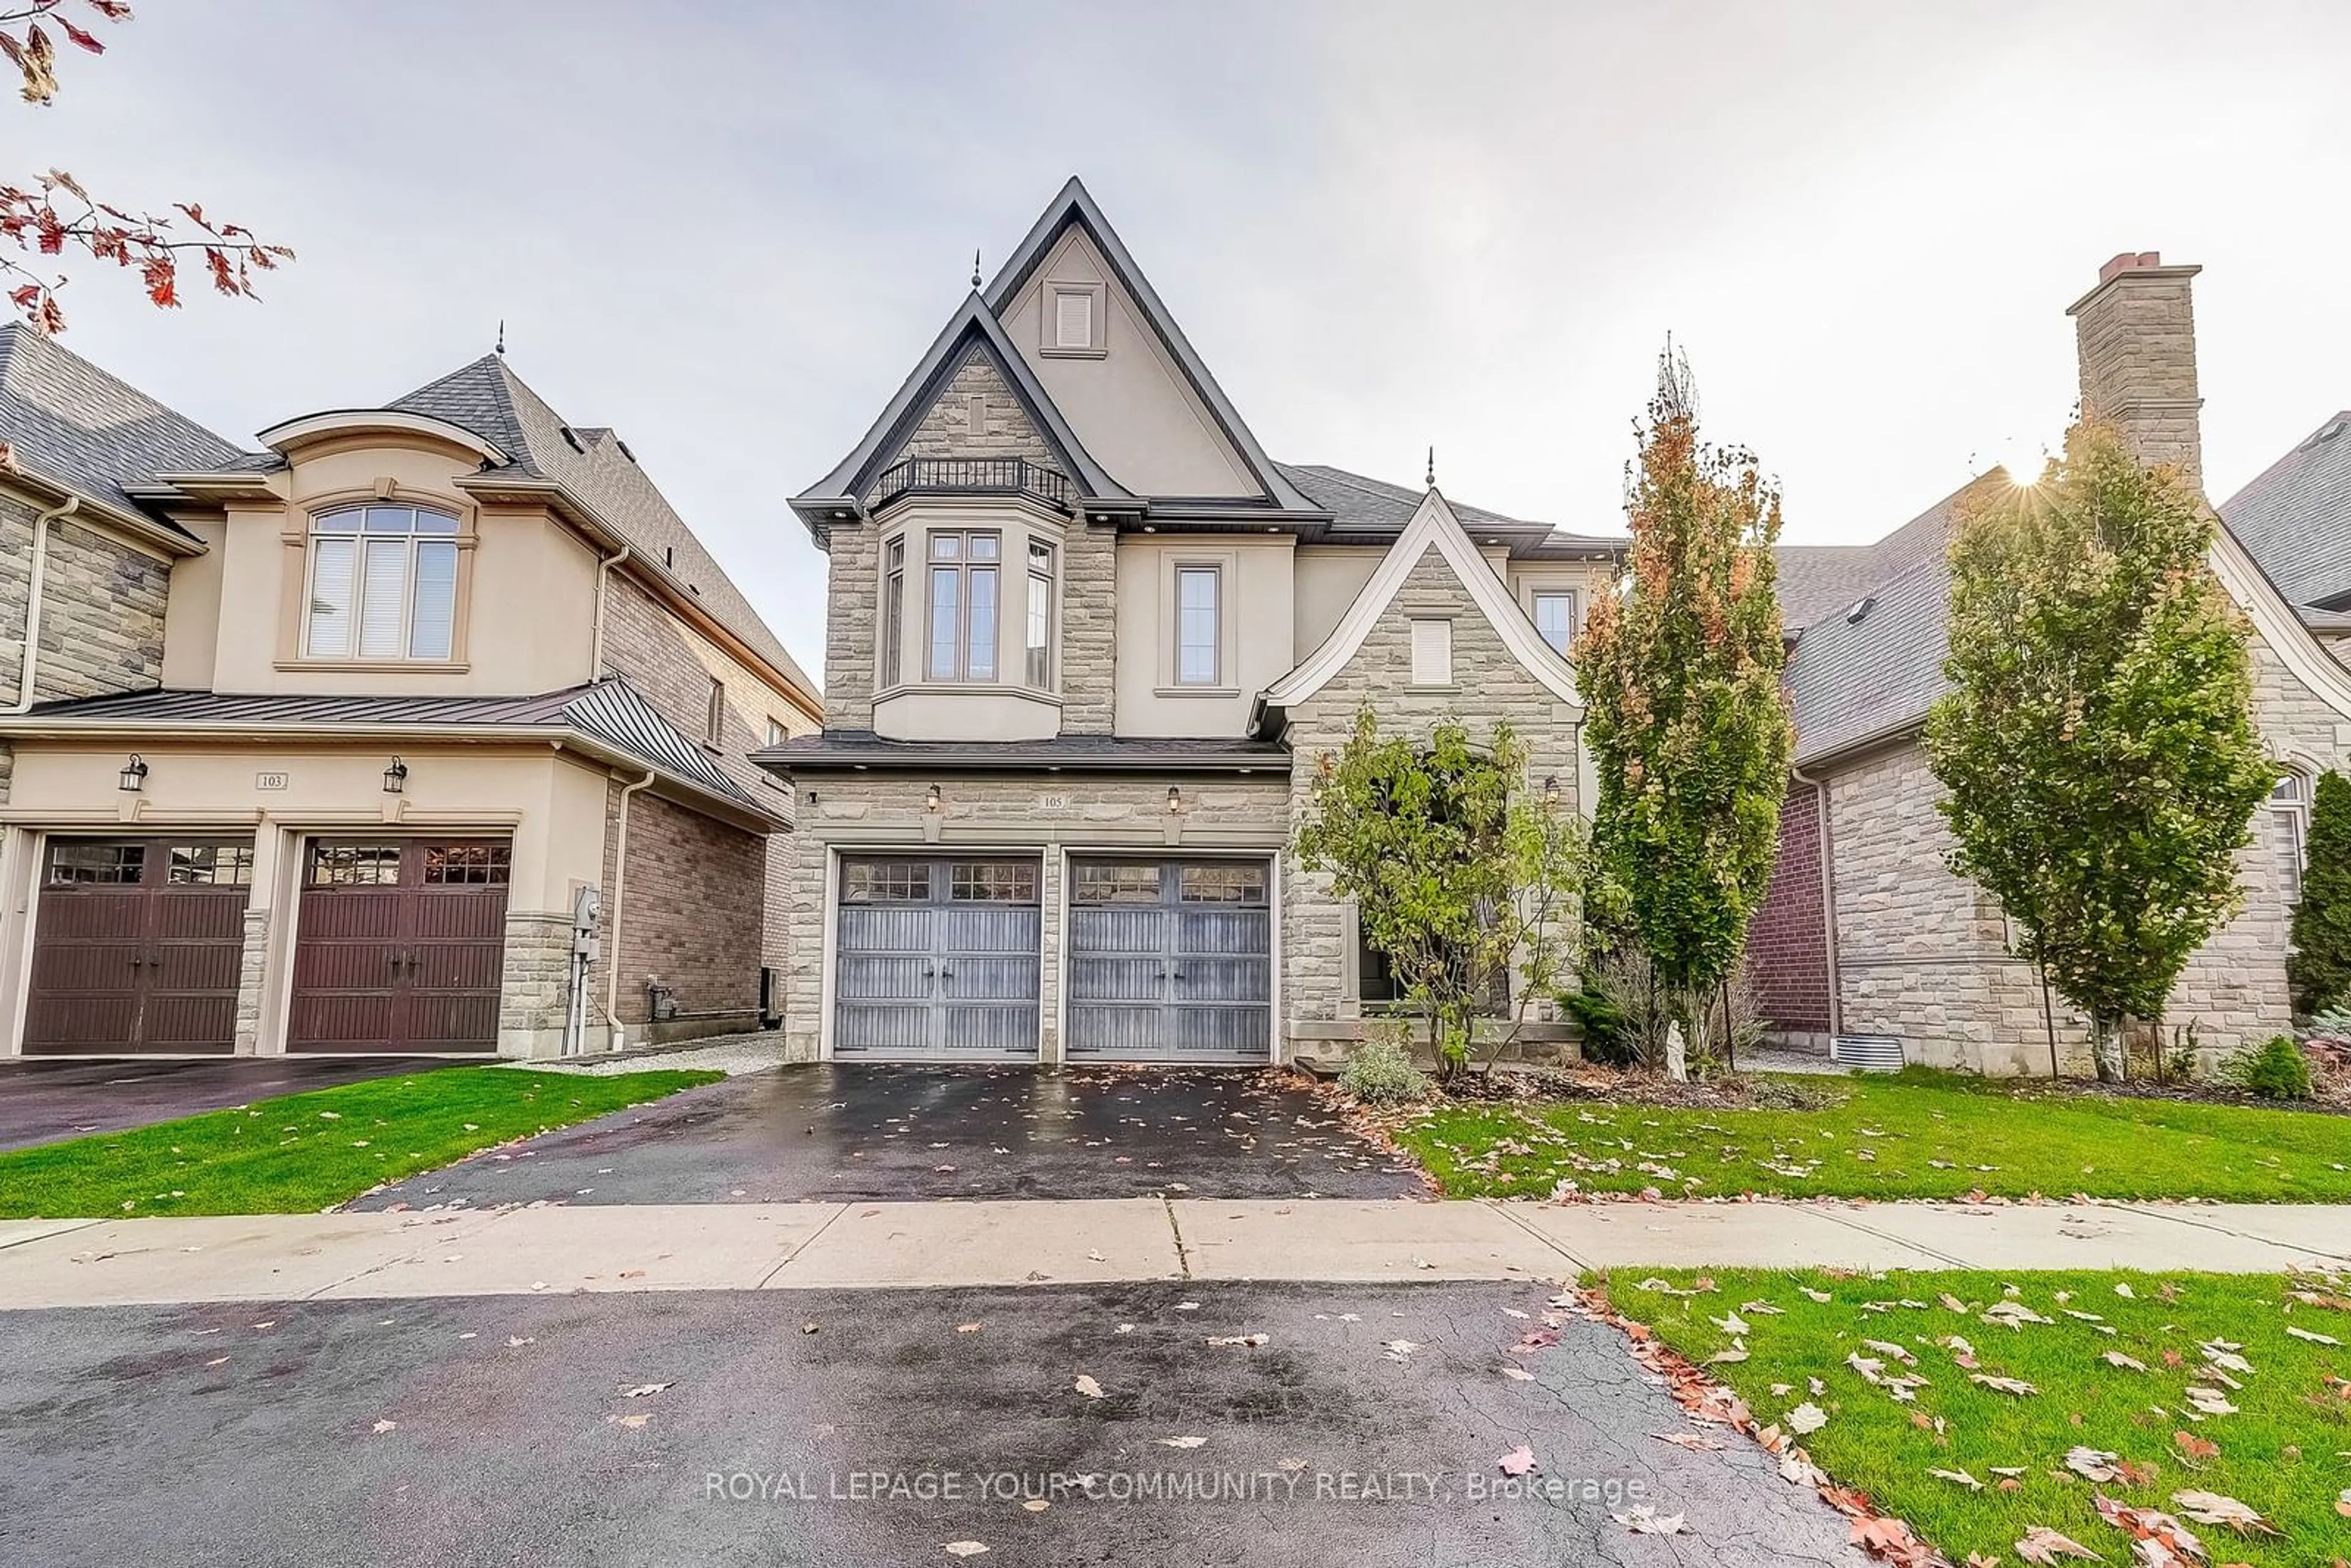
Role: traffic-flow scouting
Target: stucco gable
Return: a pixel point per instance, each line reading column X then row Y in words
column 1434, row 536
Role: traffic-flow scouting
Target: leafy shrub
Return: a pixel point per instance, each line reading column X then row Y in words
column 1608, row 1037
column 1382, row 1073
column 2275, row 1070
column 2333, row 1024
column 2318, row 970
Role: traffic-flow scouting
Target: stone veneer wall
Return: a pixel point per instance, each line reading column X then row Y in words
column 884, row 813
column 1490, row 685
column 1787, row 942
column 1090, row 629
column 534, row 990
column 101, row 609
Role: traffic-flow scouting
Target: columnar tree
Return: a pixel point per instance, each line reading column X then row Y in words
column 1683, row 711
column 2319, row 968
column 2098, row 751
column 1460, row 875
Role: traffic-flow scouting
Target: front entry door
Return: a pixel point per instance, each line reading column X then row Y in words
column 937, row 958
column 1170, row 961
column 401, row 945
column 137, row 946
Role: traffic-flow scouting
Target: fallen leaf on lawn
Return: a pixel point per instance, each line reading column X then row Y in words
column 1646, row 1520
column 1951, row 1302
column 2092, row 1464
column 643, row 1390
column 1087, row 1386
column 2157, row 1539
column 2343, row 1502
column 965, row 1548
column 2043, row 1545
column 632, row 1422
column 1960, row 1476
column 1888, row 1348
column 1731, row 1324
column 1737, row 1352
column 2210, row 1401
column 2116, row 1358
column 2195, row 1449
column 1890, row 1539
column 1518, row 1461
column 1761, row 1308
column 1816, row 1295
column 1798, row 1470
column 1180, row 1442
column 1695, row 1441
column 1807, row 1417
column 2015, row 1385
column 2212, row 1507
column 1518, row 1374
column 1250, row 1340
column 2013, row 1314
column 2313, row 1338
column 387, row 1426
column 2221, row 1353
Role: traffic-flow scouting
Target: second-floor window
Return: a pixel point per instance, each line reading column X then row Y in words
column 382, row 584
column 963, row 573
column 1039, row 672
column 1199, row 635
column 893, row 613
column 1554, row 613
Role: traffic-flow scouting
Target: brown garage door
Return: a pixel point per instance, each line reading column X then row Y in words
column 399, row 945
column 137, row 946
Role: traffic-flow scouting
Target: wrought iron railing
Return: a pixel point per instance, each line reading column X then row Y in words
column 970, row 475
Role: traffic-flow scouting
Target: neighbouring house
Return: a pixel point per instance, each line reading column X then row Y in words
column 1865, row 931
column 346, row 744
column 1086, row 641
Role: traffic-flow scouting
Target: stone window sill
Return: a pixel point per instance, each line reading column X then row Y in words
column 1196, row 691
column 968, row 689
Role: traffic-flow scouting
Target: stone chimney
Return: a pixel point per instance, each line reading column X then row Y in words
column 2136, row 333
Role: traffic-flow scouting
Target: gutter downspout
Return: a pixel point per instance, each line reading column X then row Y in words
column 29, row 668
column 1828, row 897
column 612, row 921
column 604, row 577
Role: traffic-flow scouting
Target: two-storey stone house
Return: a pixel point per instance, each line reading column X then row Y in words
column 1865, row 930
column 330, row 745
column 1086, row 643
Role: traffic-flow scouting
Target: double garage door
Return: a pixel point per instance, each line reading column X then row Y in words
column 138, row 942
column 941, row 958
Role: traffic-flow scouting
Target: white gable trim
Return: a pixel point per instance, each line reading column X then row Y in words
column 2295, row 646
column 1433, row 527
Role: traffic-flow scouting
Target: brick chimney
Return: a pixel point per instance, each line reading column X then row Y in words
column 2136, row 333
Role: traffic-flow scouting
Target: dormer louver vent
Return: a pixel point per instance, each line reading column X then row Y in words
column 1861, row 608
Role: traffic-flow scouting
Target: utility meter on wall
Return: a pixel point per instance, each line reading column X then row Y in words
column 587, row 920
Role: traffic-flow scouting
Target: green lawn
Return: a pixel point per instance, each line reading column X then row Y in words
column 1917, row 1134
column 2285, row 1451
column 301, row 1153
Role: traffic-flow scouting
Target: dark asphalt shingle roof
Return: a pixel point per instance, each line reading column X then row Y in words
column 74, row 425
column 2294, row 519
column 612, row 711
column 1359, row 501
column 487, row 398
column 838, row 750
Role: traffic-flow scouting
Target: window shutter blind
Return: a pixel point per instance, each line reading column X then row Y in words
column 330, row 598
column 382, row 598
column 1074, row 320
column 1432, row 652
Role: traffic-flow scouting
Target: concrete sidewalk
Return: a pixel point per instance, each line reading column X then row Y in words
column 555, row 1249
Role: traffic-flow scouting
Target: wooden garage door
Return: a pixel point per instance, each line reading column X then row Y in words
column 137, row 946
column 399, row 945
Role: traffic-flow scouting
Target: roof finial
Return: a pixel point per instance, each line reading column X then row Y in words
column 975, row 269
column 502, row 337
column 1432, row 467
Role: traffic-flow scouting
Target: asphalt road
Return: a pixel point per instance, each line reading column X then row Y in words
column 497, row 1431
column 844, row 1132
column 42, row 1101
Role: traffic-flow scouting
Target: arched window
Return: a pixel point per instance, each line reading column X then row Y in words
column 384, row 584
column 2290, row 803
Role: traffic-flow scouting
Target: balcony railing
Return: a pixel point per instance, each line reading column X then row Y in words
column 974, row 476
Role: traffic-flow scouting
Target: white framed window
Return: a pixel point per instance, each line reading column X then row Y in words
column 382, row 584
column 776, row 733
column 1199, row 625
column 1554, row 612
column 1432, row 652
column 1073, row 319
column 2290, row 804
column 963, row 615
column 893, row 611
column 1040, row 646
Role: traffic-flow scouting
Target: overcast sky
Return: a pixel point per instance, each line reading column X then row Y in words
column 729, row 230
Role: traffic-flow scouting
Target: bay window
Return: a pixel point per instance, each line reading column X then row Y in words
column 1040, row 671
column 962, row 610
column 893, row 613
column 382, row 584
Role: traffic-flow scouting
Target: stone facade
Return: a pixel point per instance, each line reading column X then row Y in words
column 693, row 904
column 851, row 616
column 101, row 608
column 2136, row 337
column 1489, row 686
column 1089, row 629
column 1003, row 429
column 1787, row 941
column 535, row 995
column 252, row 980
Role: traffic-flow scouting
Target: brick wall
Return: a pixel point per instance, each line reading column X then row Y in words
column 1787, row 942
column 693, row 907
column 101, row 609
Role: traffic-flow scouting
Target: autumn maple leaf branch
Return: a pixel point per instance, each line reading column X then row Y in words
column 231, row 252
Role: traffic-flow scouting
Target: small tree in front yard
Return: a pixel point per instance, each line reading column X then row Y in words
column 2098, row 751
column 1460, row 876
column 2319, row 969
column 1683, row 710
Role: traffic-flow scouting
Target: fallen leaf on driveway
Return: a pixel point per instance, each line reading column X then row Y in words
column 643, row 1389
column 1798, row 1470
column 1695, row 1441
column 966, row 1328
column 632, row 1422
column 1187, row 1306
column 1398, row 1349
column 1646, row 1520
column 1515, row 1374
column 1250, row 1340
column 1518, row 1461
column 2043, row 1545
column 386, row 1425
column 1807, row 1417
column 1891, row 1540
column 1088, row 1386
column 2211, row 1508
column 965, row 1548
column 1180, row 1442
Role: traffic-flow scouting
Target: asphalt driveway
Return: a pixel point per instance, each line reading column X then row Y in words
column 808, row 1427
column 43, row 1101
column 829, row 1131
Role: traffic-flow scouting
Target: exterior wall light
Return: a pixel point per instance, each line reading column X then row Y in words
column 1175, row 800
column 1550, row 790
column 395, row 778
column 134, row 774
column 932, row 803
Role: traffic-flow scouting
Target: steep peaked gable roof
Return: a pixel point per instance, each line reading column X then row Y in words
column 487, row 398
column 1434, row 526
column 2294, row 517
column 1075, row 205
column 973, row 328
